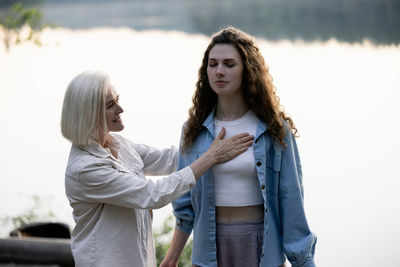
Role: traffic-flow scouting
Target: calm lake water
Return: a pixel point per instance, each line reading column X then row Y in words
column 349, row 21
column 343, row 99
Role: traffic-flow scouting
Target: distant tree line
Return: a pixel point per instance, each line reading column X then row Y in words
column 345, row 20
column 9, row 3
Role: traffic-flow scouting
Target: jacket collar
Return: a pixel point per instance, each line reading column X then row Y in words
column 97, row 150
column 261, row 128
column 209, row 122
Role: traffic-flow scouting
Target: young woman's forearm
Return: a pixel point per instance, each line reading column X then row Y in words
column 175, row 249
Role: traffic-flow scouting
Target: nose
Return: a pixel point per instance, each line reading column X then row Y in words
column 220, row 71
column 119, row 109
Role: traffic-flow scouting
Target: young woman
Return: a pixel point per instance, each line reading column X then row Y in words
column 247, row 211
column 105, row 182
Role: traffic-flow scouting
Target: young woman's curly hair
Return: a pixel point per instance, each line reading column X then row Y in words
column 258, row 90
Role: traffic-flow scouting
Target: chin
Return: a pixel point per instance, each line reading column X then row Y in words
column 118, row 129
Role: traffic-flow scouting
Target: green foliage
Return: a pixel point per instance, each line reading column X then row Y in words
column 15, row 19
column 37, row 212
column 162, row 239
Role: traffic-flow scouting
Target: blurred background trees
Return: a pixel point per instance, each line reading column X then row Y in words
column 16, row 19
column 37, row 212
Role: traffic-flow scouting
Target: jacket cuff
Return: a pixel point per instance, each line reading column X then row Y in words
column 309, row 262
column 184, row 226
column 188, row 176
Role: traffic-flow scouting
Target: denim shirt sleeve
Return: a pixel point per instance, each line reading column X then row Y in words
column 182, row 207
column 298, row 241
column 184, row 214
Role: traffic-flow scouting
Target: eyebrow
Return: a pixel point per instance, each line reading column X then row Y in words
column 225, row 59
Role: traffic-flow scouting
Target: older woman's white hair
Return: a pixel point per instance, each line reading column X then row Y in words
column 83, row 112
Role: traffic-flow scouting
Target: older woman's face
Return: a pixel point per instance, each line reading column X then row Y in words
column 113, row 111
column 225, row 70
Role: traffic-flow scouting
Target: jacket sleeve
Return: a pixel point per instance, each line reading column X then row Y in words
column 101, row 181
column 157, row 161
column 183, row 209
column 298, row 241
column 184, row 213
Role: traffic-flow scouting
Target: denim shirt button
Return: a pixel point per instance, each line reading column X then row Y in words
column 263, row 186
column 259, row 163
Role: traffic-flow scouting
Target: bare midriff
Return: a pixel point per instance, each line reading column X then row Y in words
column 239, row 214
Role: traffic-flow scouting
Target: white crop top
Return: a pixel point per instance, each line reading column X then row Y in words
column 235, row 181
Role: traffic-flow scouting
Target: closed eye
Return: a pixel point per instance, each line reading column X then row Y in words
column 111, row 103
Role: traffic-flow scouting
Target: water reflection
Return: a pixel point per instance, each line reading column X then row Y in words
column 343, row 98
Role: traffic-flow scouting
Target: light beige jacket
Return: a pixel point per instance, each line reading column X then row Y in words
column 110, row 198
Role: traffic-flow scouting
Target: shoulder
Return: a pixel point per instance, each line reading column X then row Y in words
column 183, row 127
column 289, row 137
column 79, row 159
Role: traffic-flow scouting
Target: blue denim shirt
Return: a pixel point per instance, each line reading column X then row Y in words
column 286, row 230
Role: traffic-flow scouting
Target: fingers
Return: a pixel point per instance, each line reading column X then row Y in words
column 233, row 150
column 238, row 152
column 229, row 148
column 232, row 154
column 239, row 149
column 245, row 139
column 239, row 136
column 221, row 134
column 244, row 144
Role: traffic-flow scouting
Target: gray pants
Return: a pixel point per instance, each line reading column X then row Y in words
column 239, row 244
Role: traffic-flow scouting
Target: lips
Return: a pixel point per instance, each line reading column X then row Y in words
column 220, row 83
column 118, row 119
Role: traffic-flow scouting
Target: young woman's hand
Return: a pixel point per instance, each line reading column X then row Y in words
column 164, row 263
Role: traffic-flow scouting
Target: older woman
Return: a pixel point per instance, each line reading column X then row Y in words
column 105, row 182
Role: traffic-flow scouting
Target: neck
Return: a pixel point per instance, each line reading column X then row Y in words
column 230, row 108
column 107, row 142
column 102, row 140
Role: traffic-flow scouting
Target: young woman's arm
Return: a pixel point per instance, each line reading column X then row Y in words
column 298, row 240
column 175, row 249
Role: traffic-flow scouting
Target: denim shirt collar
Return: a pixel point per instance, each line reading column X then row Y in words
column 209, row 124
column 261, row 128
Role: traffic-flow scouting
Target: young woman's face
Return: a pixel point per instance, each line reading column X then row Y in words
column 113, row 111
column 225, row 70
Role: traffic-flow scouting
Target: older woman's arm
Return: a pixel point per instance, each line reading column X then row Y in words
column 102, row 182
column 162, row 162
